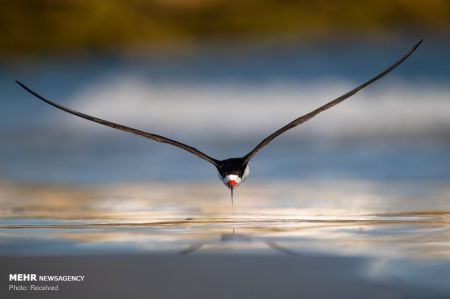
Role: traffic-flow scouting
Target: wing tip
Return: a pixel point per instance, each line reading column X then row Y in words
column 24, row 86
column 418, row 44
column 28, row 89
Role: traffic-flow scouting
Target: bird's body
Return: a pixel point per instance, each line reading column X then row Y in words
column 232, row 171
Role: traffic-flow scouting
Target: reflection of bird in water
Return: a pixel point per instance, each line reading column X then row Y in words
column 232, row 171
column 238, row 239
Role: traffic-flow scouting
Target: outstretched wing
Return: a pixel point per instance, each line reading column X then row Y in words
column 126, row 129
column 334, row 102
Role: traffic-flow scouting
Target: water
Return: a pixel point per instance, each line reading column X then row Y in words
column 391, row 232
column 304, row 217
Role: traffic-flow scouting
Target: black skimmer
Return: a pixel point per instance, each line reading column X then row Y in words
column 232, row 171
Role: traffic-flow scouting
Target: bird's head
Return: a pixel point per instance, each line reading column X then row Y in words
column 233, row 172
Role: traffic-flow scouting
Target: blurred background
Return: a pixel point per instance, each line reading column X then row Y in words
column 365, row 183
column 220, row 76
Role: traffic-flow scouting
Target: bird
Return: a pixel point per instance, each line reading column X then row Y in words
column 232, row 171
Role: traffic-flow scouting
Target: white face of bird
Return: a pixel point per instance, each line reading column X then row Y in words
column 232, row 181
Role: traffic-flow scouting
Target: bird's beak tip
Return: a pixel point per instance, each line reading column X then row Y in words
column 232, row 184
